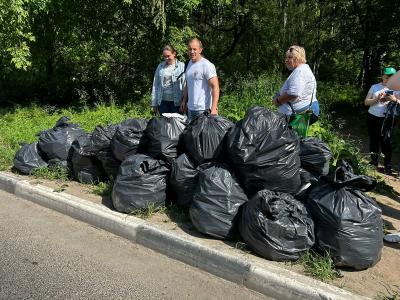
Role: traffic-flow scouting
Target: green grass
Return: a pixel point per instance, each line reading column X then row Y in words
column 245, row 92
column 318, row 266
column 57, row 172
column 148, row 212
column 103, row 189
column 340, row 147
column 177, row 214
column 22, row 124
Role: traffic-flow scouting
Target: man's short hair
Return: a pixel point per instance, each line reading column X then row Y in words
column 195, row 40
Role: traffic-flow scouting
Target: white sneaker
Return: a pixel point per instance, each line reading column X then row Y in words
column 392, row 237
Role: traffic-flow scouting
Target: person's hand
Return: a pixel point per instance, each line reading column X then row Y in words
column 275, row 99
column 391, row 98
column 183, row 107
column 381, row 97
column 214, row 111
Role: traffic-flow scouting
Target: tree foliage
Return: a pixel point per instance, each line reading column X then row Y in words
column 64, row 50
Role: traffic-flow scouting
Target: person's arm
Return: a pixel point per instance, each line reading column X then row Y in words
column 371, row 99
column 156, row 82
column 392, row 98
column 214, row 85
column 292, row 88
column 284, row 98
column 183, row 107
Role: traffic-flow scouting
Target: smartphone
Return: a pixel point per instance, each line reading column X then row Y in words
column 389, row 92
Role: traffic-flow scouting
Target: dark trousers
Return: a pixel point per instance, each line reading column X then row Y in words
column 376, row 141
column 168, row 107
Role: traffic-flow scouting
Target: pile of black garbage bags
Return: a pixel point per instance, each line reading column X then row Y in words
column 255, row 180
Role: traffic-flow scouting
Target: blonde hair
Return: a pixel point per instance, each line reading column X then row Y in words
column 298, row 53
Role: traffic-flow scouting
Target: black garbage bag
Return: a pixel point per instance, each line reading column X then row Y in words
column 276, row 226
column 109, row 162
column 128, row 138
column 204, row 137
column 217, row 201
column 85, row 168
column 99, row 145
column 100, row 139
column 348, row 222
column 28, row 159
column 307, row 181
column 265, row 152
column 141, row 182
column 183, row 180
column 163, row 134
column 315, row 156
column 56, row 142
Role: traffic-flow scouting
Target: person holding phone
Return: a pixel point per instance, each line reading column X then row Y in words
column 378, row 98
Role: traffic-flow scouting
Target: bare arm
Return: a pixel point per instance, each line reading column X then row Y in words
column 214, row 85
column 372, row 100
column 184, row 99
column 284, row 98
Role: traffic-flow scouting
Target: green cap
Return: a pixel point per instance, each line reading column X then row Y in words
column 389, row 71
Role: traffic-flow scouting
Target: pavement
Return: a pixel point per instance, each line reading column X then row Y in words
column 48, row 255
column 265, row 277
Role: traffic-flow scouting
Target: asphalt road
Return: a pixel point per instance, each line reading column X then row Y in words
column 46, row 255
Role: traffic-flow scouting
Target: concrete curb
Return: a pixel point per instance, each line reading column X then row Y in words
column 266, row 279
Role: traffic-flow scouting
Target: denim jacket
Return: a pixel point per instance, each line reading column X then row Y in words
column 178, row 84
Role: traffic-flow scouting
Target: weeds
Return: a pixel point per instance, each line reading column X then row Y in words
column 177, row 214
column 61, row 188
column 318, row 266
column 57, row 172
column 103, row 189
column 148, row 212
column 340, row 148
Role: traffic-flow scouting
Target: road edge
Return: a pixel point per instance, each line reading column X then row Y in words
column 269, row 280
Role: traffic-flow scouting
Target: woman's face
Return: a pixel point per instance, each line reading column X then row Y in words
column 169, row 56
column 290, row 62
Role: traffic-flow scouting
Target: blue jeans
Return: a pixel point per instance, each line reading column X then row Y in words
column 168, row 107
column 193, row 114
column 314, row 108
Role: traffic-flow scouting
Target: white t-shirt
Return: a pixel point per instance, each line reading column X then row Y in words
column 197, row 76
column 378, row 109
column 168, row 92
column 301, row 83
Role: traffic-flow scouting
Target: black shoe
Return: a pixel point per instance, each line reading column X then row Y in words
column 388, row 170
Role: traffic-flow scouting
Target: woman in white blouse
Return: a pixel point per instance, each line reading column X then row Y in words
column 299, row 91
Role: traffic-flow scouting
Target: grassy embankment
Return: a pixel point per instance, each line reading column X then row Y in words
column 22, row 124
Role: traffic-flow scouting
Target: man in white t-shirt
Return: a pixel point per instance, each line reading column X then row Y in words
column 202, row 87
